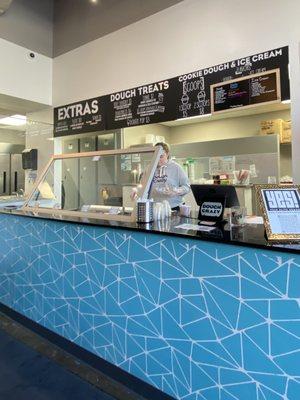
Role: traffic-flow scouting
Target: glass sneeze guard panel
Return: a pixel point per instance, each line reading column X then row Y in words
column 95, row 184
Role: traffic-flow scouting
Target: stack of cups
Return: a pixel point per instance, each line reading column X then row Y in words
column 161, row 210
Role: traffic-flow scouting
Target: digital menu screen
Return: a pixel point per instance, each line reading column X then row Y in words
column 244, row 92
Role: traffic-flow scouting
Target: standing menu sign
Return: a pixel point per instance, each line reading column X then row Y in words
column 281, row 211
column 246, row 92
column 146, row 104
column 80, row 117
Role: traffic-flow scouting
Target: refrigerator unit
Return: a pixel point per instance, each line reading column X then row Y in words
column 70, row 172
column 12, row 176
column 87, row 177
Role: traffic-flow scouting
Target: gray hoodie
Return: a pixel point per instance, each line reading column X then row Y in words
column 171, row 176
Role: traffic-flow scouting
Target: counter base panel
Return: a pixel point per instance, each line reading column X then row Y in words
column 195, row 319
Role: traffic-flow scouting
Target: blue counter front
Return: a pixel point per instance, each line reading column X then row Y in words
column 195, row 319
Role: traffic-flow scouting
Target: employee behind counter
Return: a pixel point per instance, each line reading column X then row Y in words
column 170, row 182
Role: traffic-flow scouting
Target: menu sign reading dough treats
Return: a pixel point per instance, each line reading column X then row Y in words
column 246, row 91
column 146, row 104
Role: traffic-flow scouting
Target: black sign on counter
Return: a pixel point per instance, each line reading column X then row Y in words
column 80, row 117
column 193, row 89
column 246, row 92
column 142, row 105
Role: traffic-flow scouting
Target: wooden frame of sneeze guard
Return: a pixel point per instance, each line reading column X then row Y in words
column 275, row 202
column 142, row 192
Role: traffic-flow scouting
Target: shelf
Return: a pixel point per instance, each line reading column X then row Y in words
column 236, row 113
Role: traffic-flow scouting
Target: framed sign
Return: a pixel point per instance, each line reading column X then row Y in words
column 280, row 206
column 247, row 91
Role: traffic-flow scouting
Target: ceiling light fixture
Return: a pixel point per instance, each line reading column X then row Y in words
column 14, row 120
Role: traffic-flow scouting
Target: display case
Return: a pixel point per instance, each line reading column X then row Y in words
column 91, row 184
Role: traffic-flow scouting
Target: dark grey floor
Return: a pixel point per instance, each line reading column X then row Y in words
column 27, row 375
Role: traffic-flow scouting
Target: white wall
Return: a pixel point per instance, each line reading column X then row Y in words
column 227, row 128
column 12, row 136
column 183, row 38
column 186, row 37
column 137, row 134
column 23, row 77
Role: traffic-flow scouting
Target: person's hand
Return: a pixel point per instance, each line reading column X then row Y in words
column 170, row 192
column 173, row 191
column 179, row 191
column 133, row 194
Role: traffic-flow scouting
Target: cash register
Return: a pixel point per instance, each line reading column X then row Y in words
column 212, row 201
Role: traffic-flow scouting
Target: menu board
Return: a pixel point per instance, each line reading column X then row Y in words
column 146, row 104
column 184, row 96
column 247, row 91
column 281, row 211
column 193, row 89
column 80, row 117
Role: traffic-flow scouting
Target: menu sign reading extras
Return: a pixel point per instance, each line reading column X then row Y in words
column 142, row 105
column 183, row 96
column 247, row 91
column 84, row 116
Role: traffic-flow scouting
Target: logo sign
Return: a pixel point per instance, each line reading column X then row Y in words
column 211, row 209
column 280, row 207
column 284, row 199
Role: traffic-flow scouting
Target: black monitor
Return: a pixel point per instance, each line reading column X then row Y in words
column 214, row 197
column 228, row 191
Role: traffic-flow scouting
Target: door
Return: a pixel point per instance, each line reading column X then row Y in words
column 87, row 173
column 109, row 191
column 17, row 175
column 4, row 174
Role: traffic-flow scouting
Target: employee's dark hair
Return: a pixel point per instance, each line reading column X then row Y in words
column 165, row 146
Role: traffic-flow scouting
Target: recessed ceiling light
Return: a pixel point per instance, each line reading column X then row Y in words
column 94, row 1
column 14, row 120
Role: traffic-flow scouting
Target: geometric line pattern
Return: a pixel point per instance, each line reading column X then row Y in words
column 197, row 320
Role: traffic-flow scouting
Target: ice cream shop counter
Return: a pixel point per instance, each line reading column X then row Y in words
column 194, row 314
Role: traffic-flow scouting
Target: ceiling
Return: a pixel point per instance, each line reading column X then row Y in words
column 77, row 22
column 4, row 5
column 12, row 105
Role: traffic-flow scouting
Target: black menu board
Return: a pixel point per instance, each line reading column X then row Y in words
column 146, row 104
column 80, row 117
column 265, row 88
column 183, row 96
column 193, row 89
column 247, row 91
